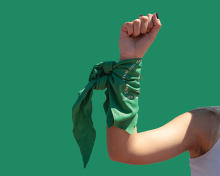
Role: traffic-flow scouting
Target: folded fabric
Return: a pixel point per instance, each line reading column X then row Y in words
column 122, row 81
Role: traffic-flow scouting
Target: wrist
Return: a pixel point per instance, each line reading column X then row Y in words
column 127, row 57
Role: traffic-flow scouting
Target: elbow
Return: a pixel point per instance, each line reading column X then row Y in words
column 112, row 156
column 117, row 156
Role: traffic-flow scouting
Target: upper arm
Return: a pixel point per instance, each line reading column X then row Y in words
column 164, row 143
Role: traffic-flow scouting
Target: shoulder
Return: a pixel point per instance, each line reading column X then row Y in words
column 187, row 129
column 201, row 126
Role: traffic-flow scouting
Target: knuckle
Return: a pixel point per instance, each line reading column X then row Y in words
column 128, row 23
column 149, row 15
column 145, row 18
column 137, row 21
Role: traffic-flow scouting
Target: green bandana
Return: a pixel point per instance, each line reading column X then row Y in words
column 122, row 81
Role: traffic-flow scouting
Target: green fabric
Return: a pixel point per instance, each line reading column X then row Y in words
column 122, row 81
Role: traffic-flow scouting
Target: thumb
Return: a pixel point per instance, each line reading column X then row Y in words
column 156, row 27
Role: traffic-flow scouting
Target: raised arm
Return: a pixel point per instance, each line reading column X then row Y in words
column 155, row 145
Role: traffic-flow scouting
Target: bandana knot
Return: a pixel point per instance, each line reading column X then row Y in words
column 100, row 73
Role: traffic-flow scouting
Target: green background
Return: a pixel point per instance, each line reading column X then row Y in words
column 47, row 51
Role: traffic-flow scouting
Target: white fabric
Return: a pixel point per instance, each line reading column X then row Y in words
column 207, row 164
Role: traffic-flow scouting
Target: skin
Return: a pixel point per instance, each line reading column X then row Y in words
column 136, row 47
column 187, row 132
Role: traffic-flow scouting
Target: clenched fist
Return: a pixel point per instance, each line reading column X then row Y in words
column 134, row 40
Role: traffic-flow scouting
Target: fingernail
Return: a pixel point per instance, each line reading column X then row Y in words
column 157, row 15
column 140, row 16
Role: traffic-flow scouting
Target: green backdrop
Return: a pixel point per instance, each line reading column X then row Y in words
column 47, row 51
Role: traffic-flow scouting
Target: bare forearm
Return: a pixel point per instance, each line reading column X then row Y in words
column 126, row 148
column 120, row 143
